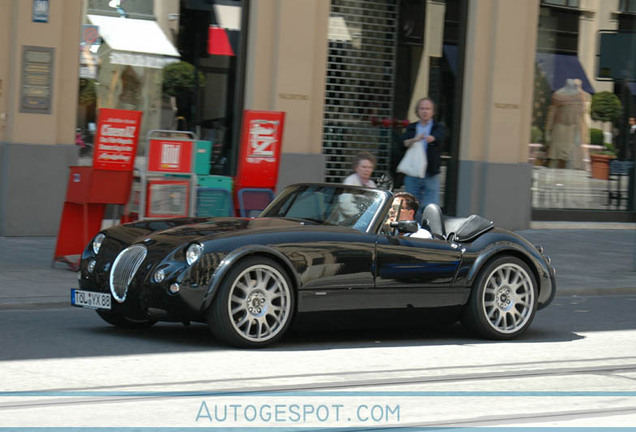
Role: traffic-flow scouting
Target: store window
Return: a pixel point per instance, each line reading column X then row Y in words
column 184, row 74
column 627, row 18
column 137, row 9
column 628, row 6
column 579, row 145
column 123, row 53
column 558, row 29
column 210, row 38
column 565, row 3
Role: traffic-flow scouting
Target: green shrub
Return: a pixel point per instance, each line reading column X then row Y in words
column 536, row 135
column 178, row 77
column 87, row 94
column 596, row 137
column 606, row 106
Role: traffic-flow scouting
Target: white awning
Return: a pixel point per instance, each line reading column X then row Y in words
column 135, row 42
column 228, row 17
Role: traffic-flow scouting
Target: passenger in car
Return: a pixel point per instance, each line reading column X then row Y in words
column 407, row 205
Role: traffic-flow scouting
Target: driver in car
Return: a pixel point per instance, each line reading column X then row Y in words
column 406, row 204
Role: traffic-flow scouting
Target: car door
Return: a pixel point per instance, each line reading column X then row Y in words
column 333, row 269
column 415, row 272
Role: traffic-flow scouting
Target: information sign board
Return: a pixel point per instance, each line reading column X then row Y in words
column 37, row 80
column 40, row 11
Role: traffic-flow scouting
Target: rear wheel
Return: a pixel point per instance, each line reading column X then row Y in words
column 122, row 321
column 254, row 305
column 503, row 300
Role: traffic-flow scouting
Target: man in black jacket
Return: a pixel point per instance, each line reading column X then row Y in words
column 430, row 134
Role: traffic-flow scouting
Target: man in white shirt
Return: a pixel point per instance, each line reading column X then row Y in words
column 407, row 205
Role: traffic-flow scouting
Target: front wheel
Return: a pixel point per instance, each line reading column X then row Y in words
column 254, row 305
column 503, row 300
column 122, row 321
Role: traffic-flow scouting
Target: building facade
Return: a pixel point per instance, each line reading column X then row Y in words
column 38, row 97
column 347, row 74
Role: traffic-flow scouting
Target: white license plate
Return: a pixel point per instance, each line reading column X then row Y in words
column 89, row 299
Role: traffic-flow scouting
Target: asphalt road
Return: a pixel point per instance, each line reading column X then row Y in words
column 576, row 366
column 72, row 332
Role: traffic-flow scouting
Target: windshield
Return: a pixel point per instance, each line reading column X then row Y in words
column 338, row 205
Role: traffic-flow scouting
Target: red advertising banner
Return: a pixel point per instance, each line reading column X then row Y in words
column 116, row 139
column 259, row 155
column 170, row 156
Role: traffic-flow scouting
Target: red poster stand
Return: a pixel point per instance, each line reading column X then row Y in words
column 108, row 181
column 259, row 155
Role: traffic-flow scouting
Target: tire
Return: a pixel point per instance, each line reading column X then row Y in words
column 503, row 300
column 122, row 321
column 254, row 305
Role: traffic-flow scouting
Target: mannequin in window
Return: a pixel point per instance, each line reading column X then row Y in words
column 566, row 126
column 129, row 98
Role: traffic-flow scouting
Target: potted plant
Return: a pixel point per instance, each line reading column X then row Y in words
column 600, row 161
column 606, row 107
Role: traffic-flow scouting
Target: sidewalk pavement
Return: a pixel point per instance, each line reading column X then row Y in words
column 590, row 259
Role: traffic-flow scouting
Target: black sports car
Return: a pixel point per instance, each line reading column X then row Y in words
column 316, row 248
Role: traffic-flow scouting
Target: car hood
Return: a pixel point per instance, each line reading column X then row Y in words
column 183, row 230
column 228, row 226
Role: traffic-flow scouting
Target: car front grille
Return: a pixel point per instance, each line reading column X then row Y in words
column 124, row 268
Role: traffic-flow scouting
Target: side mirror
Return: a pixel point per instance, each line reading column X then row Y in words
column 384, row 182
column 405, row 226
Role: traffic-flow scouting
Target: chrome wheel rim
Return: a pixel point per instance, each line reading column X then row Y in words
column 259, row 304
column 508, row 298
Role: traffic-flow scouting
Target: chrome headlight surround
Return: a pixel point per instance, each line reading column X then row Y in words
column 97, row 242
column 193, row 253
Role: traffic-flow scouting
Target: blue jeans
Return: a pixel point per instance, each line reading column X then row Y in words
column 426, row 190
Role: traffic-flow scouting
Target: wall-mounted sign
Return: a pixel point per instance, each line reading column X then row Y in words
column 116, row 139
column 36, row 91
column 41, row 11
column 90, row 34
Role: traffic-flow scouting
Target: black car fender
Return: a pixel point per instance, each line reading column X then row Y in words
column 235, row 256
column 534, row 261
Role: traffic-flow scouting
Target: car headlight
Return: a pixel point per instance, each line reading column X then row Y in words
column 160, row 275
column 97, row 242
column 193, row 253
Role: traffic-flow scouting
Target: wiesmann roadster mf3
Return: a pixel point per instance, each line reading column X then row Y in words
column 317, row 249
